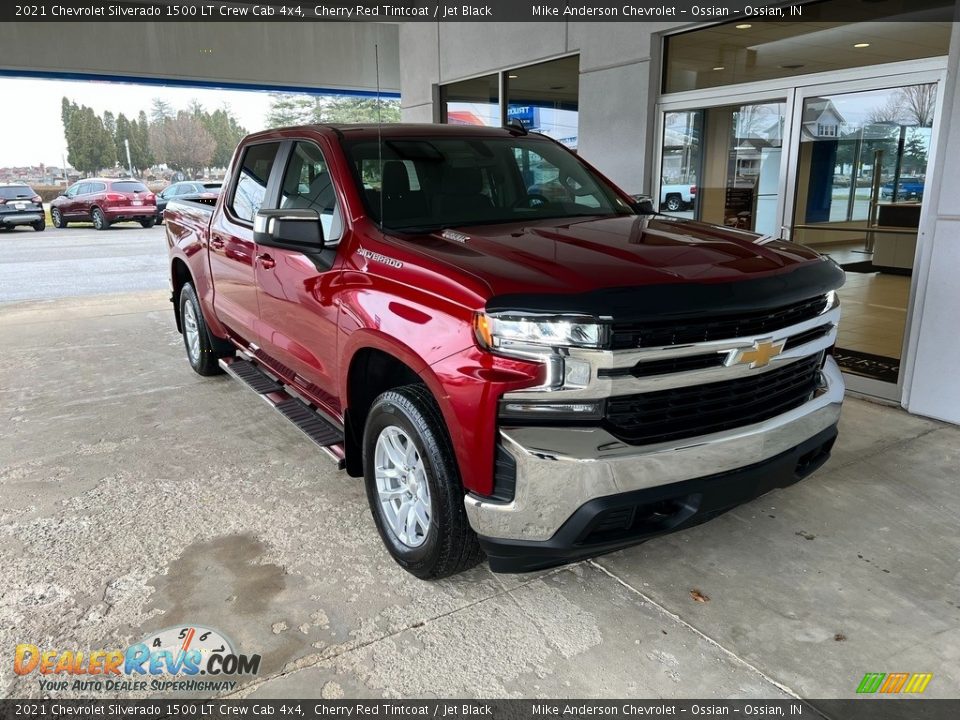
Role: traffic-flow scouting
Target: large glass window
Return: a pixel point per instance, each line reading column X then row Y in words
column 472, row 102
column 545, row 98
column 813, row 42
column 252, row 184
column 722, row 165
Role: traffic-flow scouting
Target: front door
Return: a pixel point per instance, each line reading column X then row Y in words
column 232, row 250
column 298, row 317
column 861, row 173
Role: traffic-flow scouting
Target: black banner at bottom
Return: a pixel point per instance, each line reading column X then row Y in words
column 872, row 708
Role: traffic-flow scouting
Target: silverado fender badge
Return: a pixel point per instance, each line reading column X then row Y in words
column 377, row 257
column 454, row 236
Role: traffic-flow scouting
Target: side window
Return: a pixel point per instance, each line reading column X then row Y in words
column 83, row 189
column 307, row 184
column 73, row 190
column 96, row 187
column 251, row 187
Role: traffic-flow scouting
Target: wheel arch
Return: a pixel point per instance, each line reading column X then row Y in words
column 179, row 276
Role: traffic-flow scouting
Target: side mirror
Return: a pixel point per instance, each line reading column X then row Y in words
column 294, row 229
column 643, row 205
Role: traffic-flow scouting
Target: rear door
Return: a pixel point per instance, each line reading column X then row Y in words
column 297, row 313
column 94, row 194
column 232, row 250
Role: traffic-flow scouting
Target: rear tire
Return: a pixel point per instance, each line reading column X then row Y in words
column 100, row 221
column 40, row 225
column 147, row 223
column 203, row 350
column 423, row 484
column 674, row 203
column 57, row 219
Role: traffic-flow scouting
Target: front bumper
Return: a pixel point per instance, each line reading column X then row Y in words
column 568, row 479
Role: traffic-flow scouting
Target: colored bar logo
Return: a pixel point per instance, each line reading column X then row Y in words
column 893, row 683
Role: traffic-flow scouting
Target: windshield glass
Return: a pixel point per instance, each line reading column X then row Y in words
column 430, row 183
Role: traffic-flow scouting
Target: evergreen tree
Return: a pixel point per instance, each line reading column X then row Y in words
column 226, row 133
column 160, row 110
column 286, row 109
column 90, row 146
column 145, row 158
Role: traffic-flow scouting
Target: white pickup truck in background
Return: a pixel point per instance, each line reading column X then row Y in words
column 677, row 197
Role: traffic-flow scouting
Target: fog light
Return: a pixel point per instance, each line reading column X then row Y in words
column 540, row 411
column 576, row 373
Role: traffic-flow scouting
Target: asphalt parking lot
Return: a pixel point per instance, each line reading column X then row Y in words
column 78, row 260
column 135, row 496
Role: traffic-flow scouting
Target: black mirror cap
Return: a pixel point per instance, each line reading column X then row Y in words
column 643, row 205
column 294, row 229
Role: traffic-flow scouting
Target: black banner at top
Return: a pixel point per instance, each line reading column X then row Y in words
column 482, row 11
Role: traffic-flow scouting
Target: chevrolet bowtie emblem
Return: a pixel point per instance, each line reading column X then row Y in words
column 760, row 355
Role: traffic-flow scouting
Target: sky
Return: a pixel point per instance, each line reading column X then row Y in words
column 32, row 132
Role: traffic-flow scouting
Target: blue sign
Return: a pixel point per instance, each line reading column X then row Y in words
column 527, row 114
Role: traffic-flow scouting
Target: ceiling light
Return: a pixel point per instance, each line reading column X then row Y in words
column 862, row 45
column 513, row 77
column 719, row 67
column 744, row 26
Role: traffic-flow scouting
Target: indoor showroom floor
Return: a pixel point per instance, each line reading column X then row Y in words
column 136, row 496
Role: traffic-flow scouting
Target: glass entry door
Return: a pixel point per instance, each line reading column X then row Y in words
column 861, row 169
column 723, row 164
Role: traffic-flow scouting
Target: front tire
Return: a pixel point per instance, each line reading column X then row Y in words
column 100, row 221
column 203, row 351
column 413, row 485
column 57, row 218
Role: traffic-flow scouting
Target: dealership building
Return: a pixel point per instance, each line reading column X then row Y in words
column 837, row 135
column 833, row 133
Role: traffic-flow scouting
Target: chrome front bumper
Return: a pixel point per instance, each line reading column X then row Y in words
column 560, row 469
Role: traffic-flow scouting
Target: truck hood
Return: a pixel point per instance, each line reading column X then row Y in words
column 600, row 258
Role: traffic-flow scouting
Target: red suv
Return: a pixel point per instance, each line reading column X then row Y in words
column 103, row 202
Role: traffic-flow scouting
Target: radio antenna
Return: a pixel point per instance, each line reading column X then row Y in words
column 376, row 58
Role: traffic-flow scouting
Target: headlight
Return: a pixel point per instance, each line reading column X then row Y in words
column 508, row 331
column 545, row 339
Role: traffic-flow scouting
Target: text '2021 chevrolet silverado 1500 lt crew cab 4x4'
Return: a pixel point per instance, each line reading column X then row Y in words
column 539, row 377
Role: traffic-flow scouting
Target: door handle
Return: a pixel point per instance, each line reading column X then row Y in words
column 266, row 262
column 217, row 243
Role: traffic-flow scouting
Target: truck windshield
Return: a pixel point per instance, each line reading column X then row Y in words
column 425, row 184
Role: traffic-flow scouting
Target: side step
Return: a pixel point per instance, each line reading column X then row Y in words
column 316, row 427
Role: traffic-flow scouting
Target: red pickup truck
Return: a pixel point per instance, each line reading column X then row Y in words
column 519, row 359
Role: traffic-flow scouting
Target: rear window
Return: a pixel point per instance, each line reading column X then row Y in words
column 129, row 186
column 10, row 192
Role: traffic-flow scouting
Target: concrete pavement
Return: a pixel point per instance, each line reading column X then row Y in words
column 135, row 496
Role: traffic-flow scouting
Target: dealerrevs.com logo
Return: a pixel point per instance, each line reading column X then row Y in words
column 172, row 659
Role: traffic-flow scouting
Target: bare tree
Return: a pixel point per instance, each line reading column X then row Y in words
column 183, row 143
column 919, row 102
column 891, row 111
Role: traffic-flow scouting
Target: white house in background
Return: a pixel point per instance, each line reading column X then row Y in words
column 821, row 120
